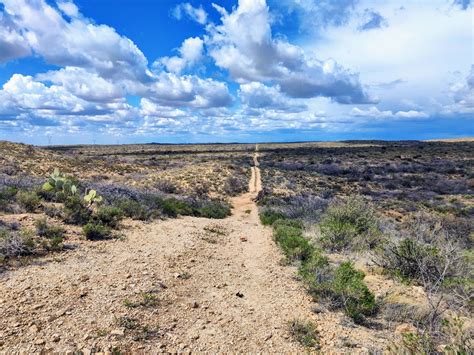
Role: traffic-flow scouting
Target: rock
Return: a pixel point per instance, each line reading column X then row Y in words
column 405, row 328
column 239, row 294
column 55, row 338
column 243, row 239
column 117, row 332
column 268, row 337
column 34, row 329
column 194, row 304
column 40, row 341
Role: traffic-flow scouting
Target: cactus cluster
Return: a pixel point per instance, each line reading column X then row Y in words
column 60, row 183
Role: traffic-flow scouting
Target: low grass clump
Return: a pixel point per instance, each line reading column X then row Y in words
column 349, row 225
column 304, row 332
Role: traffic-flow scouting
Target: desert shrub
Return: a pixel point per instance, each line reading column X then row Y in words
column 96, row 231
column 29, row 200
column 318, row 274
column 234, row 186
column 304, row 332
column 352, row 224
column 109, row 216
column 352, row 293
column 7, row 197
column 54, row 235
column 76, row 211
column 173, row 207
column 43, row 229
column 268, row 216
column 133, row 209
column 307, row 207
column 166, row 186
column 292, row 242
column 214, row 209
column 15, row 244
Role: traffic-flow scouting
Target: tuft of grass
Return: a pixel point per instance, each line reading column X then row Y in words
column 304, row 332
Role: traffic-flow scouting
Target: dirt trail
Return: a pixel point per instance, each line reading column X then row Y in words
column 216, row 285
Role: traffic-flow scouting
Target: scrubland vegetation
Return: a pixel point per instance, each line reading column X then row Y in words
column 400, row 211
column 380, row 233
column 97, row 188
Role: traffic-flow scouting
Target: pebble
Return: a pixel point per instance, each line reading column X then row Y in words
column 40, row 341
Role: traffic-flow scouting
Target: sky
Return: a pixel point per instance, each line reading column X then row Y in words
column 138, row 71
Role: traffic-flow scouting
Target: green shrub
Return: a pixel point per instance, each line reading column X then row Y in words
column 173, row 207
column 292, row 242
column 133, row 209
column 45, row 230
column 304, row 332
column 75, row 210
column 7, row 197
column 29, row 200
column 352, row 293
column 214, row 209
column 109, row 216
column 268, row 217
column 96, row 231
column 353, row 225
column 318, row 274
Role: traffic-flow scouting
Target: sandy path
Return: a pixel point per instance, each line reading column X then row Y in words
column 218, row 286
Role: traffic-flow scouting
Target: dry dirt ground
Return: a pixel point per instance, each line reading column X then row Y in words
column 187, row 284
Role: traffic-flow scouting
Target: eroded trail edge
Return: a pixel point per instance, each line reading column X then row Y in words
column 188, row 284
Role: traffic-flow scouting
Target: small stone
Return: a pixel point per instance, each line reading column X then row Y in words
column 239, row 294
column 40, row 341
column 268, row 336
column 128, row 276
column 55, row 338
column 117, row 332
column 194, row 304
column 34, row 329
column 243, row 239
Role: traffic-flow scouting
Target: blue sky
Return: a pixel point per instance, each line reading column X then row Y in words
column 122, row 71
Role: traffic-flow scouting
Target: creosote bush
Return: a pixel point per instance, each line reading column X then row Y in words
column 96, row 231
column 133, row 209
column 349, row 225
column 109, row 216
column 268, row 216
column 351, row 293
